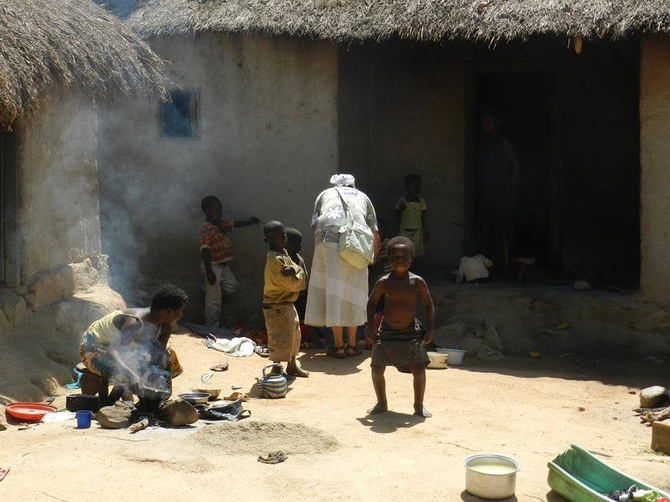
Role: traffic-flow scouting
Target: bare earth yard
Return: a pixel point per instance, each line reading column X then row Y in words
column 529, row 409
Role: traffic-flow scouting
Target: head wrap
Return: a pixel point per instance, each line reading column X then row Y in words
column 343, row 180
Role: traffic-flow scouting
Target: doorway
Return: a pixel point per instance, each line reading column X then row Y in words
column 9, row 248
column 522, row 103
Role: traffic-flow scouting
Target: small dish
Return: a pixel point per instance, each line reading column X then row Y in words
column 195, row 397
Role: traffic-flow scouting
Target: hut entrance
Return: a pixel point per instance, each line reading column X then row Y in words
column 9, row 260
column 512, row 176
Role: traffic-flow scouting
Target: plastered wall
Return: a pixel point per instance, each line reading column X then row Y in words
column 266, row 146
column 58, row 186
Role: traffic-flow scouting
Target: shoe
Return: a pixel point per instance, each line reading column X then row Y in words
column 352, row 351
column 337, row 352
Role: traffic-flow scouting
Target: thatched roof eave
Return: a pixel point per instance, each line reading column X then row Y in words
column 72, row 44
column 421, row 20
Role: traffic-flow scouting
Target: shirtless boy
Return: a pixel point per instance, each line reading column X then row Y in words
column 401, row 337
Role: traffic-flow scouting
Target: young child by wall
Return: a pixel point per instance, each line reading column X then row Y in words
column 474, row 267
column 216, row 251
column 401, row 338
column 411, row 210
column 283, row 281
column 293, row 247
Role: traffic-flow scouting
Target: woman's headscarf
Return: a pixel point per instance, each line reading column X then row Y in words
column 343, row 180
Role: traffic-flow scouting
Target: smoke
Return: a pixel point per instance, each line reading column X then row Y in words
column 150, row 192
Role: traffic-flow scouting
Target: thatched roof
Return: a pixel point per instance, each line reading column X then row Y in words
column 73, row 43
column 430, row 20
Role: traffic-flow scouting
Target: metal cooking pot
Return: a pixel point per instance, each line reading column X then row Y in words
column 490, row 476
column 78, row 402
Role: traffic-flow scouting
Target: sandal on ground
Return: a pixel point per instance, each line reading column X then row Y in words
column 337, row 352
column 352, row 351
column 274, row 457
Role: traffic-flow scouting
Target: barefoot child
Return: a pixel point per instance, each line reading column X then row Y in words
column 284, row 280
column 216, row 251
column 401, row 338
column 293, row 247
column 411, row 210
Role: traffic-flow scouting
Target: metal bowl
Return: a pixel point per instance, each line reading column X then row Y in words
column 195, row 397
column 490, row 476
column 213, row 393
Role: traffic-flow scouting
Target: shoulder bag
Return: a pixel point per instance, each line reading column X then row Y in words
column 356, row 240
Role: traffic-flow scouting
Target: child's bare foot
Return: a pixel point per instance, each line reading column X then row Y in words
column 378, row 408
column 421, row 411
column 296, row 371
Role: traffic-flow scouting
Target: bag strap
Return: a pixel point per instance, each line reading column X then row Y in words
column 344, row 204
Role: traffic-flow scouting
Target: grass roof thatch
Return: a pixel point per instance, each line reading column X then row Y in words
column 71, row 43
column 429, row 20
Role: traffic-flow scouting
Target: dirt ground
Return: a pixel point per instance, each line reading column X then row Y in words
column 528, row 408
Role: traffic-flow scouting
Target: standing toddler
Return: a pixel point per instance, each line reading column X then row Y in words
column 401, row 338
column 411, row 211
column 216, row 251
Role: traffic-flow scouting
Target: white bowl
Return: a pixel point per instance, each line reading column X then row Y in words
column 455, row 355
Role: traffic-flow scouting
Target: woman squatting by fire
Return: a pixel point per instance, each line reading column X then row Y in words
column 130, row 346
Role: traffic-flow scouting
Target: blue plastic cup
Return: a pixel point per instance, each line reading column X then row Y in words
column 83, row 419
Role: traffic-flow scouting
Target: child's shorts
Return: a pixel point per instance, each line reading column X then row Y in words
column 400, row 347
column 283, row 327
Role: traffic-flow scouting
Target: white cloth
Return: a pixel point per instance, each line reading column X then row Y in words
column 473, row 267
column 337, row 294
column 237, row 347
column 343, row 180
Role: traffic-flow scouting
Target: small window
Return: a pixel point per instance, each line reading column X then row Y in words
column 179, row 119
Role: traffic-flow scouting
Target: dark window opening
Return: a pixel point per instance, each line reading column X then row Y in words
column 179, row 118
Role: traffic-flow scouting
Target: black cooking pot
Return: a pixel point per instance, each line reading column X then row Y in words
column 76, row 402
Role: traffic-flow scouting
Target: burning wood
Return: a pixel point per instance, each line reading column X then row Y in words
column 141, row 425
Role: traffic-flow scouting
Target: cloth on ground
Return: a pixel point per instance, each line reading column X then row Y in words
column 237, row 347
column 231, row 412
column 274, row 457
